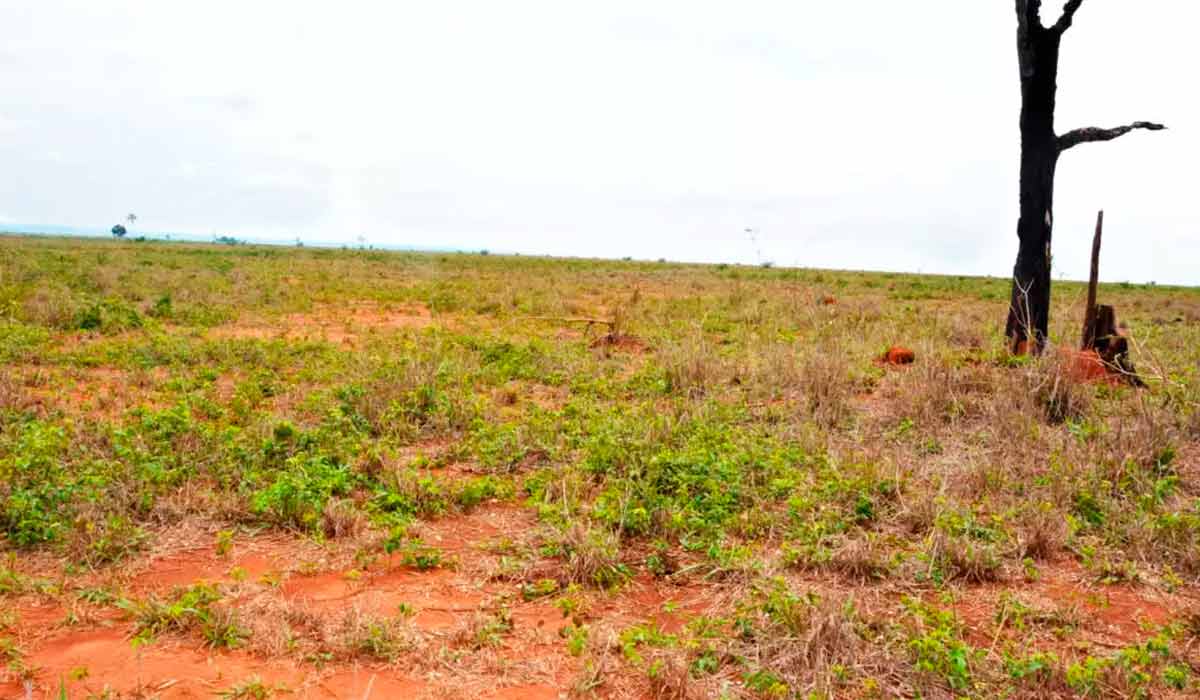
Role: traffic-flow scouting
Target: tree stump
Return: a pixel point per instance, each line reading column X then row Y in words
column 1101, row 333
column 1111, row 345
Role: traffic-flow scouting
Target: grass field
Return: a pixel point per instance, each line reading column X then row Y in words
column 246, row 472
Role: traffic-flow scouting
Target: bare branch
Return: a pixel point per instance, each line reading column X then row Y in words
column 1092, row 134
column 1068, row 16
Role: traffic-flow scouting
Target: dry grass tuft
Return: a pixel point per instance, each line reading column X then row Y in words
column 672, row 678
column 961, row 558
column 12, row 395
column 51, row 305
column 691, row 365
column 359, row 634
column 592, row 556
column 939, row 391
column 826, row 385
column 1041, row 533
column 863, row 559
column 807, row 642
column 343, row 518
column 1050, row 382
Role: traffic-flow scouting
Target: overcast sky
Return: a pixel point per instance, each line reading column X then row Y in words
column 869, row 134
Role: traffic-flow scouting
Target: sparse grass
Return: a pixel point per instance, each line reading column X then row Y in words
column 734, row 433
column 250, row 689
column 367, row 636
column 194, row 609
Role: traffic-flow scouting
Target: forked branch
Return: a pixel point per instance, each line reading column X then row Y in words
column 1092, row 134
column 1028, row 14
column 1068, row 16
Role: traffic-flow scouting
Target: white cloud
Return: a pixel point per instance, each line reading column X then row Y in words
column 867, row 134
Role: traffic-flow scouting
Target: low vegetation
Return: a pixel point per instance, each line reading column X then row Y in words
column 866, row 530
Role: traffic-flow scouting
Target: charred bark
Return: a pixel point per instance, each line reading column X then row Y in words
column 1037, row 53
column 1093, row 134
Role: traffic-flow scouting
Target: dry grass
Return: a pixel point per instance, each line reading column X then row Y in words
column 665, row 486
column 692, row 366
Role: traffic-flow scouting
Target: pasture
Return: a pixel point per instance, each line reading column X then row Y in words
column 249, row 472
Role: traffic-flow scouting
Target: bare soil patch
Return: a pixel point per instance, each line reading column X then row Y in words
column 1065, row 597
column 340, row 324
column 445, row 606
column 92, row 392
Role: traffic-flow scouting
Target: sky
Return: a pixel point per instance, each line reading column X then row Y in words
column 869, row 134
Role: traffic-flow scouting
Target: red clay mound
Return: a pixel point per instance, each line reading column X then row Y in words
column 1086, row 366
column 898, row 355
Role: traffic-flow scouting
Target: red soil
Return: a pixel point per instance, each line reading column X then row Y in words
column 531, row 660
column 1087, row 366
column 93, row 392
column 334, row 324
column 525, row 692
column 1113, row 615
column 105, row 657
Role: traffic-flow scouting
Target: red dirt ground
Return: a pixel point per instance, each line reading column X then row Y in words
column 335, row 324
column 1108, row 615
column 92, row 392
column 95, row 652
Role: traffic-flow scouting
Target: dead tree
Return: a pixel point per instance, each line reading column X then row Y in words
column 1037, row 53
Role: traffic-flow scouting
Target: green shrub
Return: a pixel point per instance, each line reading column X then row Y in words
column 36, row 489
column 296, row 496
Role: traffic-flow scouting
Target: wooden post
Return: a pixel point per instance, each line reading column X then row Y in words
column 1089, row 315
column 1100, row 332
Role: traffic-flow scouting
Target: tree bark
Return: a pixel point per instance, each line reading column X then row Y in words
column 1093, row 134
column 1037, row 53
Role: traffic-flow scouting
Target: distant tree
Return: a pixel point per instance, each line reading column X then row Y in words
column 131, row 218
column 1037, row 54
column 119, row 231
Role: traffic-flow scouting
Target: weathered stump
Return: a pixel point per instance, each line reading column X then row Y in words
column 1101, row 334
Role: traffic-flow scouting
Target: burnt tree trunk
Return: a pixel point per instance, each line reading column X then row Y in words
column 1037, row 53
